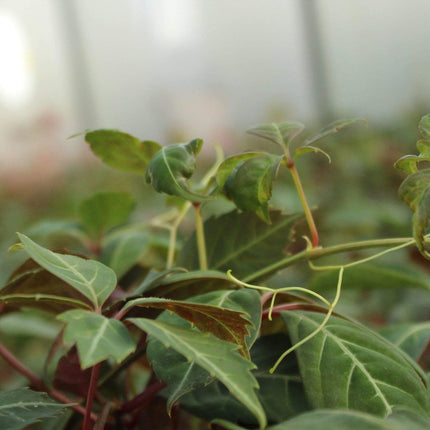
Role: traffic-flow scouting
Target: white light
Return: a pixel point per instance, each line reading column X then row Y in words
column 15, row 71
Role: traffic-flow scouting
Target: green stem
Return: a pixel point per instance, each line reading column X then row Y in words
column 308, row 213
column 315, row 253
column 173, row 234
column 200, row 233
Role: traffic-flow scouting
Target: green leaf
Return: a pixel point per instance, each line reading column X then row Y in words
column 21, row 407
column 411, row 338
column 32, row 286
column 105, row 210
column 124, row 251
column 172, row 166
column 97, row 337
column 229, row 325
column 92, row 279
column 424, row 127
column 415, row 192
column 217, row 357
column 241, row 242
column 250, row 184
column 349, row 366
column 121, row 150
column 227, row 166
column 423, row 147
column 280, row 133
column 58, row 228
column 332, row 128
column 306, row 149
column 408, row 163
column 331, row 419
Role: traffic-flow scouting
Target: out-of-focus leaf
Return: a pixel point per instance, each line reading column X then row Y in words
column 415, row 191
column 105, row 210
column 121, row 150
column 92, row 279
column 21, row 407
column 306, row 149
column 332, row 419
column 172, row 166
column 249, row 185
column 411, row 338
column 424, row 127
column 28, row 324
column 121, row 253
column 241, row 242
column 423, row 147
column 408, row 163
column 229, row 325
column 219, row 358
column 153, row 279
column 57, row 228
column 332, row 128
column 280, row 133
column 348, row 366
column 97, row 337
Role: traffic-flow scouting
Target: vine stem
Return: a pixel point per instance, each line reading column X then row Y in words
column 200, row 234
column 38, row 382
column 90, row 397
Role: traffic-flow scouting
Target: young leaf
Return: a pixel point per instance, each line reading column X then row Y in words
column 97, row 337
column 331, row 128
column 349, row 366
column 331, row 419
column 411, row 338
column 424, row 127
column 217, row 357
column 170, row 168
column 415, row 191
column 280, row 133
column 306, row 149
column 241, row 242
column 409, row 163
column 105, row 210
column 92, row 279
column 21, row 407
column 121, row 150
column 226, row 324
column 250, row 184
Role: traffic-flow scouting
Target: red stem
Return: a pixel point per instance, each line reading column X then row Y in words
column 90, row 397
column 38, row 382
column 142, row 400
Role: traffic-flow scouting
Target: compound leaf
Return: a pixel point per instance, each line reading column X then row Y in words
column 121, row 150
column 92, row 279
column 97, row 337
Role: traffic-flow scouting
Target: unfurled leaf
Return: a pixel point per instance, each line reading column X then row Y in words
column 121, row 150
column 280, row 133
column 21, row 407
column 97, row 337
column 306, row 149
column 249, row 185
column 349, row 366
column 241, row 242
column 124, row 251
column 332, row 128
column 411, row 338
column 226, row 324
column 219, row 358
column 415, row 191
column 105, row 210
column 92, row 279
column 332, row 419
column 227, row 166
column 172, row 166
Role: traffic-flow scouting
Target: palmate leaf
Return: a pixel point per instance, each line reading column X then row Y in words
column 349, row 366
column 280, row 133
column 172, row 166
column 21, row 407
column 105, row 210
column 249, row 185
column 97, row 337
column 411, row 338
column 226, row 324
column 241, row 242
column 32, row 286
column 415, row 192
column 92, row 279
column 219, row 358
column 121, row 150
column 182, row 375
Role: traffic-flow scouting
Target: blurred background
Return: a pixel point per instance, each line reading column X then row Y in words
column 171, row 70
